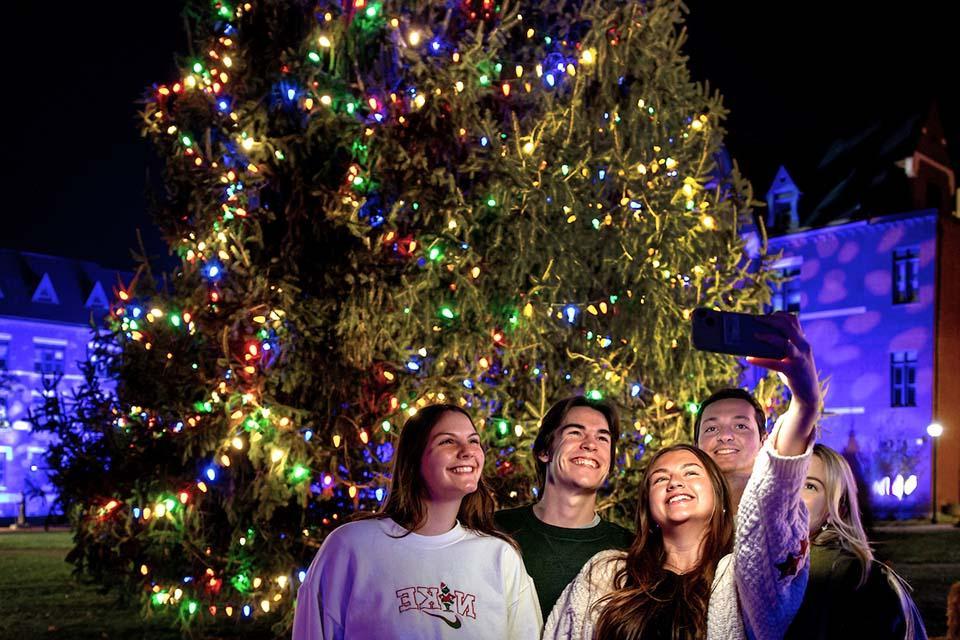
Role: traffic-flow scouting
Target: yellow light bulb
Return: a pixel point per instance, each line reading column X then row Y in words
column 325, row 42
column 276, row 455
column 237, row 443
column 413, row 38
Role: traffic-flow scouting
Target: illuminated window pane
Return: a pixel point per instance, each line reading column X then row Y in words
column 906, row 275
column 903, row 379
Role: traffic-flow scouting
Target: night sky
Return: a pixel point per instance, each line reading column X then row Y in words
column 795, row 76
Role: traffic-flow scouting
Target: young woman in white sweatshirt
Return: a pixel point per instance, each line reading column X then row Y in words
column 431, row 564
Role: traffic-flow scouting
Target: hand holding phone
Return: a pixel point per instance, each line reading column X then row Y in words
column 735, row 333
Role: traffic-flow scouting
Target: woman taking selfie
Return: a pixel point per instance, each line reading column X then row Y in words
column 849, row 594
column 430, row 564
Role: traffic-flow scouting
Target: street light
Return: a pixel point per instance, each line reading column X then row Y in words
column 934, row 430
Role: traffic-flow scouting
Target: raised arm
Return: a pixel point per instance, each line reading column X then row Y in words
column 799, row 371
column 771, row 545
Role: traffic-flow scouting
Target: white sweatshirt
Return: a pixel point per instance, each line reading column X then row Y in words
column 759, row 585
column 363, row 583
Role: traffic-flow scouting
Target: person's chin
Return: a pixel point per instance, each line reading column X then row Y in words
column 728, row 465
column 588, row 484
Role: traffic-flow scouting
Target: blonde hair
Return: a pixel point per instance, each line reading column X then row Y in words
column 845, row 530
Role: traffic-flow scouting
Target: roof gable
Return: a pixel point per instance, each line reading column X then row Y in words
column 97, row 298
column 45, row 292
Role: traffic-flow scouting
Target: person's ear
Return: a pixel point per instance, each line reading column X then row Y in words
column 544, row 457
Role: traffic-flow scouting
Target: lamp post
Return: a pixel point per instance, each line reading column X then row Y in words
column 934, row 430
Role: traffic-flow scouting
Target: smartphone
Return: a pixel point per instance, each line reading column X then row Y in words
column 733, row 333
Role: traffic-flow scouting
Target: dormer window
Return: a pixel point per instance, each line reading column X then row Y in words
column 782, row 200
column 97, row 298
column 45, row 293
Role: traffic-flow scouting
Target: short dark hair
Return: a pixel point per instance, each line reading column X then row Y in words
column 553, row 420
column 732, row 394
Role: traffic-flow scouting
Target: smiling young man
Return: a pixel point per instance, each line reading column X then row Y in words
column 574, row 452
column 731, row 428
column 731, row 424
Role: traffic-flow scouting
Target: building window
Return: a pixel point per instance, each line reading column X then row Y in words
column 783, row 215
column 903, row 379
column 786, row 293
column 6, row 456
column 906, row 275
column 4, row 354
column 49, row 359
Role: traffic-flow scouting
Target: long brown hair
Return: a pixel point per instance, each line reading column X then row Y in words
column 625, row 613
column 405, row 499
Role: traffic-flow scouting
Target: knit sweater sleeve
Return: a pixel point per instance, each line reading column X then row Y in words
column 770, row 549
column 573, row 616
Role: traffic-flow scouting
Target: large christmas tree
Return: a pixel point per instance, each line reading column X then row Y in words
column 378, row 205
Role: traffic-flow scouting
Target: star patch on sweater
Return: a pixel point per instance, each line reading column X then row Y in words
column 791, row 565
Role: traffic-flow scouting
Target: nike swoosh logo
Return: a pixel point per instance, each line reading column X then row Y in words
column 453, row 625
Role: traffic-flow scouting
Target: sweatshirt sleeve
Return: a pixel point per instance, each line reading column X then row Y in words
column 524, row 620
column 770, row 549
column 572, row 617
column 311, row 620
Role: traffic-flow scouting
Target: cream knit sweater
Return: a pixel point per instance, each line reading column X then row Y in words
column 756, row 590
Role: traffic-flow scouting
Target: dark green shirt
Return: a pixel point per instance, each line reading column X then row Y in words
column 834, row 607
column 554, row 556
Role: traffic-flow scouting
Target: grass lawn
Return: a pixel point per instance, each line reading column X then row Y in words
column 930, row 561
column 41, row 599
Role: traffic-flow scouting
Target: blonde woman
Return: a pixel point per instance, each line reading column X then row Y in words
column 849, row 593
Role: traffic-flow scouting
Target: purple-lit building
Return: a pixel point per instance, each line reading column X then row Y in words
column 872, row 274
column 47, row 307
